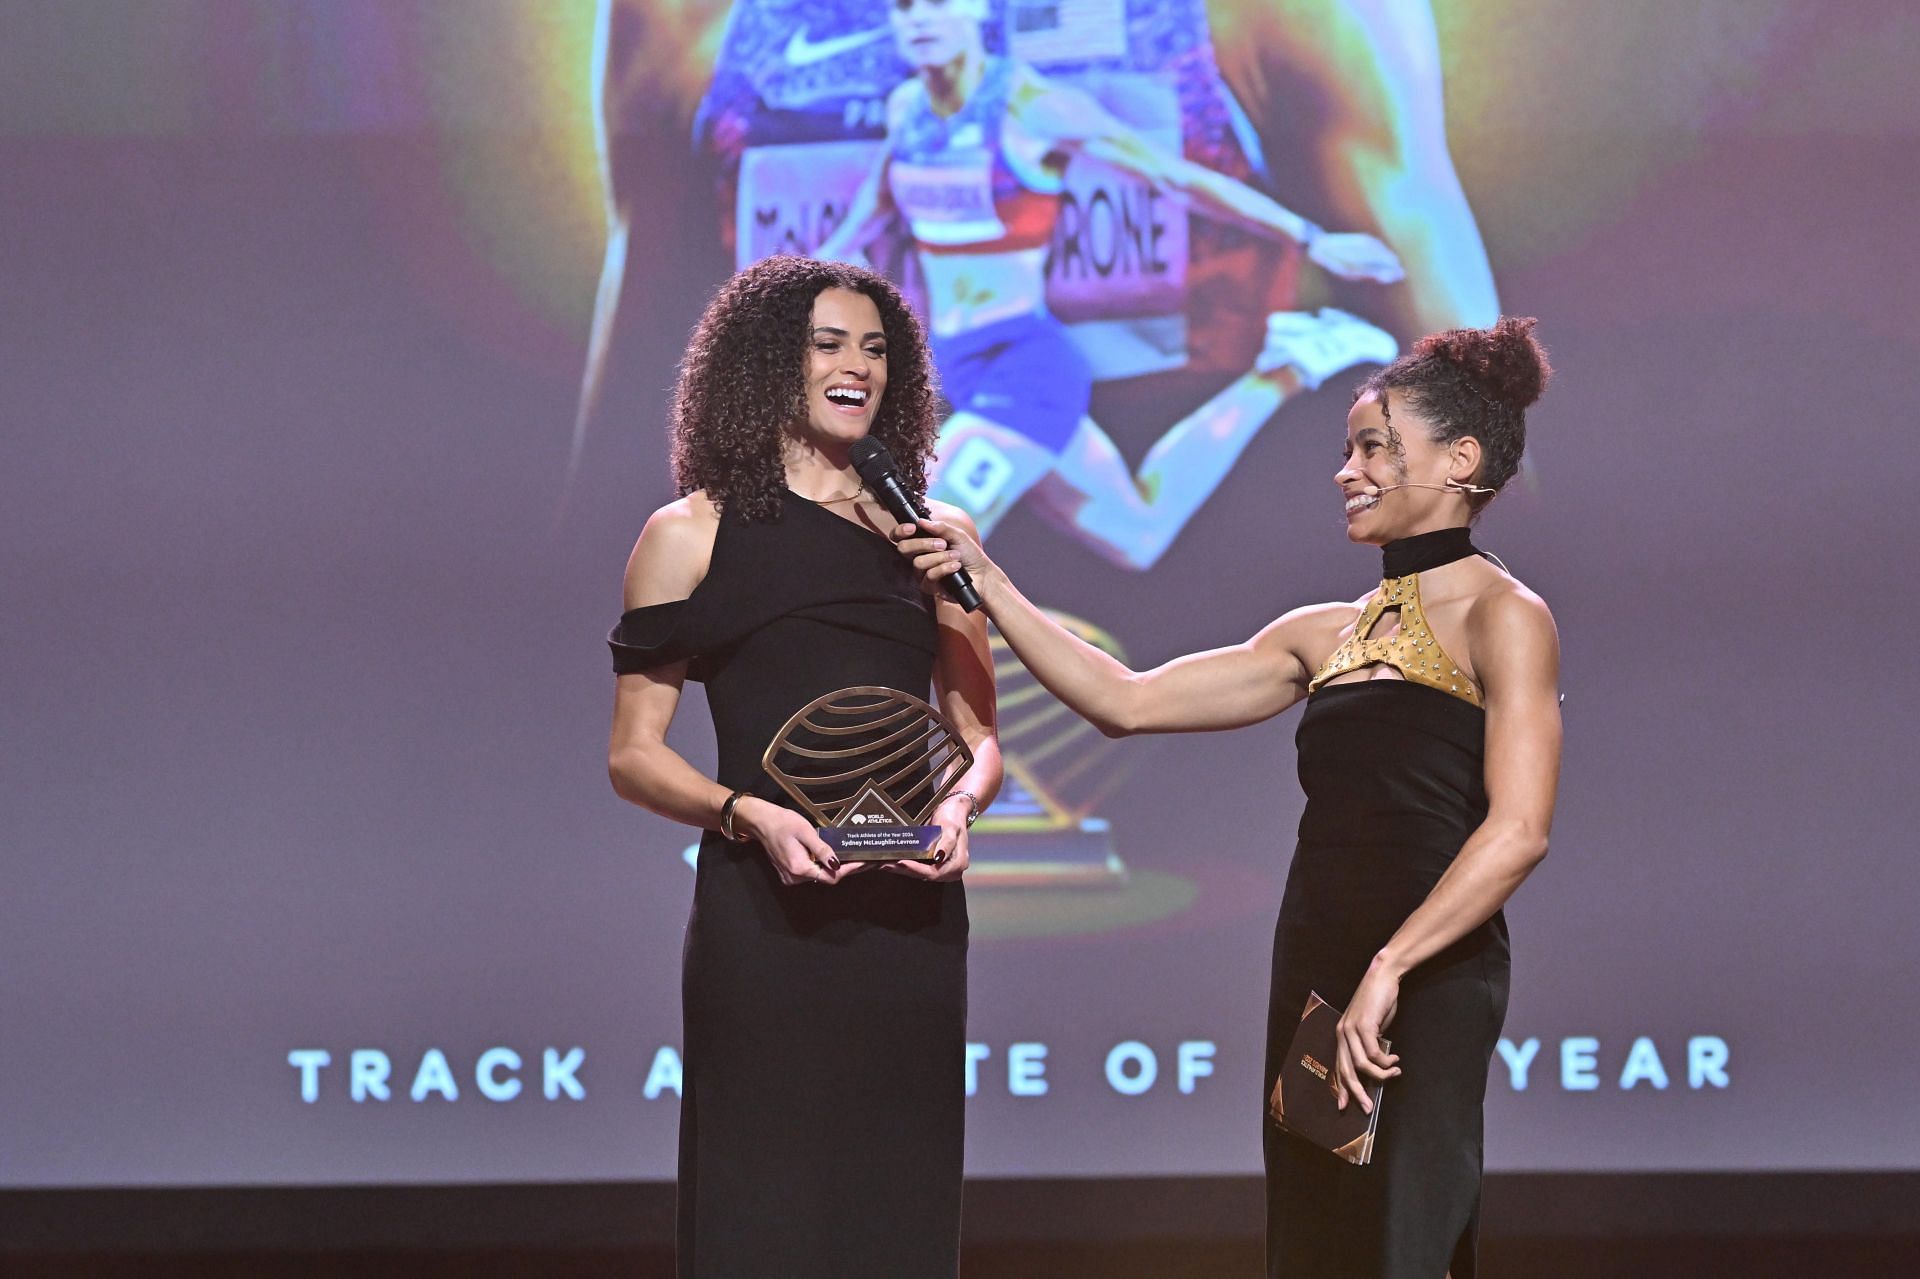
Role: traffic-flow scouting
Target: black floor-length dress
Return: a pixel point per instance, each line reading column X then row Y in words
column 1393, row 773
column 821, row 1115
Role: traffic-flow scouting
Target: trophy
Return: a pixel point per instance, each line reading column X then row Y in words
column 869, row 765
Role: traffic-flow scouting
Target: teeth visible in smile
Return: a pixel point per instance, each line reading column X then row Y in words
column 847, row 395
column 1361, row 502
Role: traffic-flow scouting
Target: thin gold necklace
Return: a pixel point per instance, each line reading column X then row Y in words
column 832, row 501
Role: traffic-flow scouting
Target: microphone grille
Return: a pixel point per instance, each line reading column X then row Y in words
column 871, row 458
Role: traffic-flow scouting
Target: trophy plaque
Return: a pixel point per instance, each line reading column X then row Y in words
column 869, row 765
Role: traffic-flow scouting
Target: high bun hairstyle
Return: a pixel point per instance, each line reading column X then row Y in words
column 1473, row 382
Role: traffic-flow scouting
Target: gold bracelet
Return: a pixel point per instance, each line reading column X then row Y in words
column 726, row 816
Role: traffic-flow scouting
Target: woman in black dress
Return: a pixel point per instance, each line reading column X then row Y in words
column 1429, row 751
column 824, row 1002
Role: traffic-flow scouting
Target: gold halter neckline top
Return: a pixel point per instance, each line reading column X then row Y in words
column 1411, row 649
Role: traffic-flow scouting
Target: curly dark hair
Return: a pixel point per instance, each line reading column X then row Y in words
column 742, row 383
column 1472, row 382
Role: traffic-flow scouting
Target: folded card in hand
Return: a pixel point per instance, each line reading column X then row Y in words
column 1304, row 1102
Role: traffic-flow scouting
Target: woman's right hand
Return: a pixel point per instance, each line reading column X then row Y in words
column 939, row 550
column 791, row 843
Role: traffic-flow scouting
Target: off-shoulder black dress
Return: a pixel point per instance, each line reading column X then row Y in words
column 821, row 1114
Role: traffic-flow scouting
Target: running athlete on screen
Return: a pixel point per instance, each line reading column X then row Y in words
column 976, row 151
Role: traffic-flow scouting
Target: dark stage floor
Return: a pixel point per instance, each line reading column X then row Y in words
column 1757, row 1258
column 1537, row 1226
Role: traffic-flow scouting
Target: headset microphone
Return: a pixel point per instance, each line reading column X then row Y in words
column 1451, row 486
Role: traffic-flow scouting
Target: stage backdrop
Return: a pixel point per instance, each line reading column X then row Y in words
column 337, row 338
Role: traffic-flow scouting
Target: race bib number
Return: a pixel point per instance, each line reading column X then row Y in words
column 950, row 202
column 977, row 474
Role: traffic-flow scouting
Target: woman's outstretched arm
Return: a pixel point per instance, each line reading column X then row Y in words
column 1223, row 688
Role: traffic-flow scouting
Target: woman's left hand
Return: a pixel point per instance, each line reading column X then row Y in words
column 1359, row 1051
column 950, row 853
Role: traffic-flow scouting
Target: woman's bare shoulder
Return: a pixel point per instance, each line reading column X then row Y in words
column 1508, row 603
column 673, row 551
column 1512, row 630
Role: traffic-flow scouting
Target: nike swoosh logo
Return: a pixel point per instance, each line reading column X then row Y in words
column 804, row 52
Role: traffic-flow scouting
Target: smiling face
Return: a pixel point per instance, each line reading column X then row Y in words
column 932, row 33
column 846, row 367
column 1394, row 478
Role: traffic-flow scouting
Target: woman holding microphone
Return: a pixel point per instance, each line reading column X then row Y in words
column 822, row 1115
column 1429, row 751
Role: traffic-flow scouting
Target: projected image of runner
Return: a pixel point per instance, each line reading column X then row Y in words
column 1048, row 220
column 975, row 162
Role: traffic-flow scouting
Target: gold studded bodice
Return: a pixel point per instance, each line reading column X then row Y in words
column 1412, row 650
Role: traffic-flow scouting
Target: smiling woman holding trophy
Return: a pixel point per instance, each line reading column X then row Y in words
column 824, row 989
column 1429, row 751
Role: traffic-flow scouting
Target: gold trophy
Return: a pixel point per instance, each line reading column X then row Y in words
column 869, row 765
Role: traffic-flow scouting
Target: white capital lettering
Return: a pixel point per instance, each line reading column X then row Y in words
column 1146, row 1068
column 976, row 1053
column 1027, row 1070
column 1578, row 1059
column 494, row 1089
column 665, row 1074
column 434, row 1075
column 558, row 1073
column 367, row 1072
column 309, row 1062
column 1196, row 1062
column 1643, row 1062
column 1707, row 1061
column 1518, row 1060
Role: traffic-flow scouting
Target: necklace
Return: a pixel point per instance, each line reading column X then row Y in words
column 834, row 501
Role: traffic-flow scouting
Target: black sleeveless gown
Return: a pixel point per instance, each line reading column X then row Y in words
column 825, row 1026
column 1393, row 776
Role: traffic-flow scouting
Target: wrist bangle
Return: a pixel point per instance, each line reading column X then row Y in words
column 726, row 816
column 973, row 805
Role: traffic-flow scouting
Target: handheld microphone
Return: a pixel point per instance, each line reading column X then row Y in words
column 881, row 473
